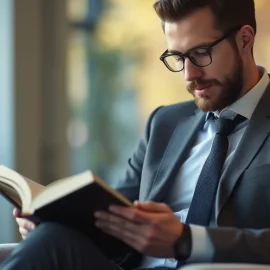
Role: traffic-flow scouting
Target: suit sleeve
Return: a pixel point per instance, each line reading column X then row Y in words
column 233, row 245
column 129, row 185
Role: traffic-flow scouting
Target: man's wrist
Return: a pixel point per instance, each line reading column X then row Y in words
column 183, row 245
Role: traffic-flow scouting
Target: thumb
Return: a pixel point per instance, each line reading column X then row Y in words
column 151, row 206
column 16, row 213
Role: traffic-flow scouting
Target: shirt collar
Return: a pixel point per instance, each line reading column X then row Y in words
column 246, row 105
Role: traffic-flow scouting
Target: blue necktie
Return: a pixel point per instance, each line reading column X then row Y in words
column 205, row 192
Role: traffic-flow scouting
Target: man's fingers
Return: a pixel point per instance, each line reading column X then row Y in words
column 16, row 212
column 135, row 240
column 26, row 224
column 131, row 214
column 115, row 223
column 142, row 212
column 152, row 207
column 23, row 232
column 129, row 238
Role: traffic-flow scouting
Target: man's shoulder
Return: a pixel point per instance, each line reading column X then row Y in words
column 170, row 115
column 181, row 109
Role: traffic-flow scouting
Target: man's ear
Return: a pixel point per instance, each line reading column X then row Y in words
column 247, row 37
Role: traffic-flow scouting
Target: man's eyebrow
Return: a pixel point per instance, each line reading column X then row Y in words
column 174, row 51
column 201, row 45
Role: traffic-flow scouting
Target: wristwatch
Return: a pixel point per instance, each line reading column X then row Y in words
column 182, row 246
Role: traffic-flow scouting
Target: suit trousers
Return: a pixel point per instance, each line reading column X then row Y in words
column 56, row 247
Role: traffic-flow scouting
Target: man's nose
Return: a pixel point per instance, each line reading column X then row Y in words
column 191, row 71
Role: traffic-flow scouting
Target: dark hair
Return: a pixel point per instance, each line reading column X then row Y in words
column 228, row 13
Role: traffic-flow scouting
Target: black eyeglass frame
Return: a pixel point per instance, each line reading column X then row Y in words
column 187, row 54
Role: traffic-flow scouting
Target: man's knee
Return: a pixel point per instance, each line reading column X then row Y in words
column 52, row 229
column 50, row 233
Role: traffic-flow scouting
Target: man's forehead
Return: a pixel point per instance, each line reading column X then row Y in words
column 200, row 22
column 184, row 35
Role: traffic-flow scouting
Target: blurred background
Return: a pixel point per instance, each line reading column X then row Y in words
column 78, row 79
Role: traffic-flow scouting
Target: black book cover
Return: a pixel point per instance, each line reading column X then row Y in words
column 76, row 211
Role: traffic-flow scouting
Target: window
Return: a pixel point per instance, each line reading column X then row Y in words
column 103, row 123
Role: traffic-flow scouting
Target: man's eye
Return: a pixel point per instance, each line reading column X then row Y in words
column 200, row 52
column 178, row 58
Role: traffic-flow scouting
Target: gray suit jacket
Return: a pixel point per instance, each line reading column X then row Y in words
column 242, row 231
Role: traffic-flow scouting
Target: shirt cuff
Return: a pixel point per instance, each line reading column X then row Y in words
column 202, row 249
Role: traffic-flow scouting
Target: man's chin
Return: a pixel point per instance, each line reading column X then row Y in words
column 206, row 105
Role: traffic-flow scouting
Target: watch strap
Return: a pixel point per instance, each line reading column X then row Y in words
column 183, row 245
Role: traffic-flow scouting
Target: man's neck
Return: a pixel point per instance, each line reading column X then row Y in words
column 251, row 77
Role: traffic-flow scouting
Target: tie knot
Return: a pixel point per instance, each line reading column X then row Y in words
column 225, row 126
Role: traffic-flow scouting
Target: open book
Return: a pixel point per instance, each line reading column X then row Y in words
column 70, row 201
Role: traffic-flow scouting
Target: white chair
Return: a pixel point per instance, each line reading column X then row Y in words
column 6, row 249
column 225, row 266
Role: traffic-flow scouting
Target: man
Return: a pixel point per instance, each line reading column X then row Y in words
column 180, row 172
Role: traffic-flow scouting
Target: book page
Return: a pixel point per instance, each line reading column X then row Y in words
column 120, row 197
column 63, row 187
column 22, row 186
column 60, row 188
column 35, row 187
column 11, row 194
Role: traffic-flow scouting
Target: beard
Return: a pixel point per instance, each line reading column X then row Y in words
column 230, row 90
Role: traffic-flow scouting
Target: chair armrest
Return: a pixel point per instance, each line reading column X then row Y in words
column 6, row 249
column 225, row 266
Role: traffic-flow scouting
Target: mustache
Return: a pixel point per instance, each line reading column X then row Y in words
column 192, row 86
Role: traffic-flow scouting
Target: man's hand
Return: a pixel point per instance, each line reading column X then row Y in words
column 25, row 226
column 150, row 228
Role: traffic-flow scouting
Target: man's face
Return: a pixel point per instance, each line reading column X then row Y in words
column 218, row 85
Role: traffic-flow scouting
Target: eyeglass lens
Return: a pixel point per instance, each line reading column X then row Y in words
column 200, row 57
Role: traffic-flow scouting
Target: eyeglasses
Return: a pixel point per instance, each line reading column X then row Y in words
column 199, row 56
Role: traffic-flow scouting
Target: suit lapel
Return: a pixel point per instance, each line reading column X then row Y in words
column 177, row 148
column 253, row 138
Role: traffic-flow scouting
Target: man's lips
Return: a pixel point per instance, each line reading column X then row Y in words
column 202, row 89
